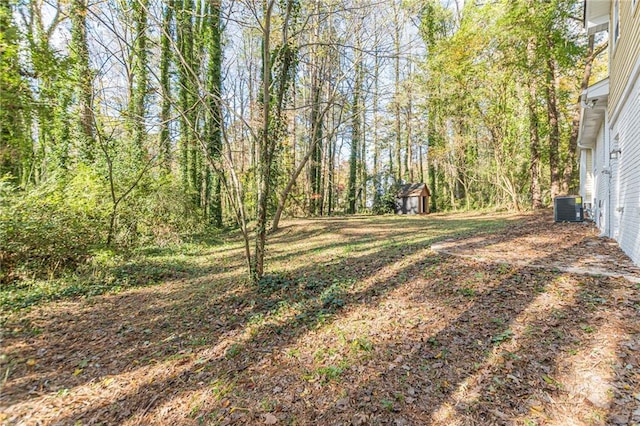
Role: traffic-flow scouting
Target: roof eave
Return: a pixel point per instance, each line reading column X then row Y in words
column 594, row 105
column 596, row 16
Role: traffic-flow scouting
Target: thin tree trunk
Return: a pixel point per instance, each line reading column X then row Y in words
column 398, row 136
column 409, row 147
column 331, row 171
column 362, row 164
column 376, row 148
column 356, row 122
column 534, row 136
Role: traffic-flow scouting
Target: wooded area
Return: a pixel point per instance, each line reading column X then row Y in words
column 125, row 123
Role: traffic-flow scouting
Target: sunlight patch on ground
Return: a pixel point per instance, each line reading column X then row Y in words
column 556, row 295
column 588, row 375
column 105, row 392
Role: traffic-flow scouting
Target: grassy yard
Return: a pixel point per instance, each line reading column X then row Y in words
column 357, row 322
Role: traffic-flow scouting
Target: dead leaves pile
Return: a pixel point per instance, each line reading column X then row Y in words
column 369, row 327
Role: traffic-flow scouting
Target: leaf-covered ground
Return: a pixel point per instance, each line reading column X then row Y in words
column 358, row 322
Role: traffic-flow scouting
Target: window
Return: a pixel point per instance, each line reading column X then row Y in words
column 616, row 22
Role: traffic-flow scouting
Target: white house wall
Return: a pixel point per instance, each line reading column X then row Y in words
column 626, row 172
column 601, row 181
column 586, row 187
column 589, row 175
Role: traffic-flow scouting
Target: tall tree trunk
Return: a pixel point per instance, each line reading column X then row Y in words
column 420, row 165
column 214, row 125
column 355, row 143
column 165, row 85
column 362, row 163
column 272, row 117
column 331, row 156
column 184, row 32
column 140, row 74
column 534, row 136
column 15, row 120
column 315, row 164
column 396, row 106
column 409, row 146
column 84, row 85
column 433, row 185
column 554, row 125
column 355, row 127
column 376, row 143
column 264, row 162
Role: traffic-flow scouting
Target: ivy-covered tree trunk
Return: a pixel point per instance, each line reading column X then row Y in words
column 84, row 82
column 271, row 131
column 331, row 161
column 433, row 184
column 166, row 38
column 184, row 43
column 214, row 119
column 140, row 74
column 15, row 146
column 356, row 138
column 315, row 165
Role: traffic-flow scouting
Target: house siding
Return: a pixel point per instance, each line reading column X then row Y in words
column 601, row 181
column 627, row 173
column 624, row 54
column 589, row 176
column 617, row 177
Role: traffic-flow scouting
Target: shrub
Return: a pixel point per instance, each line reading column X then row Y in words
column 386, row 202
column 49, row 227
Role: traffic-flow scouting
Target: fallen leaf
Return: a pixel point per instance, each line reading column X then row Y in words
column 536, row 409
column 31, row 362
column 270, row 419
column 77, row 372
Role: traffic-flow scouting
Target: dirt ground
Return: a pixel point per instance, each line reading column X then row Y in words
column 435, row 320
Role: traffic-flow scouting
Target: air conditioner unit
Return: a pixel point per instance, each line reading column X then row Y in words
column 568, row 209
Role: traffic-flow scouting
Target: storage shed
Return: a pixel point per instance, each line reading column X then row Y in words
column 413, row 198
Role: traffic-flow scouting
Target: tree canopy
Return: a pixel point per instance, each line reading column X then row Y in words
column 132, row 122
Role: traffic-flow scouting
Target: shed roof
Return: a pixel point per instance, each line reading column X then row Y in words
column 412, row 190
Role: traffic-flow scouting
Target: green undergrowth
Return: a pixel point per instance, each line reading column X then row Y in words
column 107, row 271
column 326, row 285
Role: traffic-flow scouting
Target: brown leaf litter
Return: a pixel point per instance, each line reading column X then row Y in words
column 362, row 323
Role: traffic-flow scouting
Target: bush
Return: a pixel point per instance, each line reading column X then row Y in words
column 47, row 228
column 386, row 202
column 159, row 213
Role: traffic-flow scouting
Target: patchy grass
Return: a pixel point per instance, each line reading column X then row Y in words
column 356, row 322
column 109, row 273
